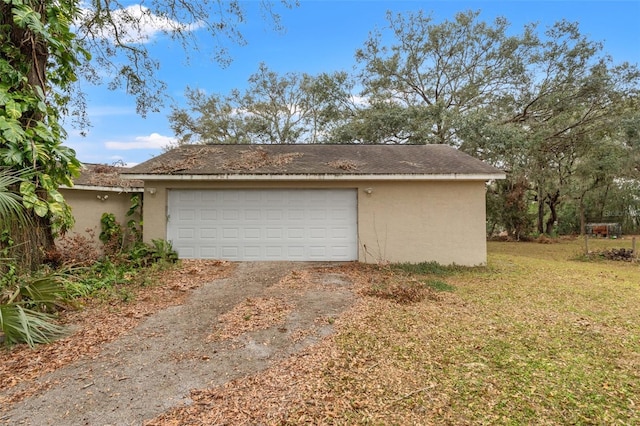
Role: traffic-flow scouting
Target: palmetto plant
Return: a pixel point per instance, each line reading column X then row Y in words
column 26, row 303
column 11, row 208
column 25, row 310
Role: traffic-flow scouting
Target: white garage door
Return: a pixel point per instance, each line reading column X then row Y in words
column 292, row 224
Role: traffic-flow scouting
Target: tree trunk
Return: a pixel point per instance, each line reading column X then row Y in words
column 541, row 200
column 30, row 245
column 552, row 202
column 604, row 203
column 583, row 219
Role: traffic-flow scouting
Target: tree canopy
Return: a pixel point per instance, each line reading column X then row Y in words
column 547, row 105
column 274, row 109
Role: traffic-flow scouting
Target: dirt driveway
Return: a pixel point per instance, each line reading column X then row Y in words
column 204, row 342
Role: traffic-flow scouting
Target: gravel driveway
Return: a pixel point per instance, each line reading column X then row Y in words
column 153, row 367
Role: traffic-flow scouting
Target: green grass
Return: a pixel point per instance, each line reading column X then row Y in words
column 438, row 285
column 536, row 337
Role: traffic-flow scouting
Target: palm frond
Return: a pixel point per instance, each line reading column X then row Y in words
column 48, row 292
column 23, row 325
column 11, row 208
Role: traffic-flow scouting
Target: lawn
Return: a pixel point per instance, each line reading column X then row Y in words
column 536, row 337
column 539, row 336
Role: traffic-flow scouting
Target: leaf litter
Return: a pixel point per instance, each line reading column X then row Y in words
column 318, row 299
column 97, row 323
column 433, row 360
column 295, row 390
column 250, row 315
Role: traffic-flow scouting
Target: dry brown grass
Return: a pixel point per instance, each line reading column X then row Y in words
column 537, row 337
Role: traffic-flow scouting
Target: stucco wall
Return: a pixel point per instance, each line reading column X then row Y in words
column 423, row 221
column 88, row 206
column 399, row 221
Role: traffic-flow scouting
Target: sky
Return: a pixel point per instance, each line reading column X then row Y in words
column 318, row 36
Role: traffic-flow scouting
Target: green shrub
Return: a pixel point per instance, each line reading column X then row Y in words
column 159, row 251
column 27, row 302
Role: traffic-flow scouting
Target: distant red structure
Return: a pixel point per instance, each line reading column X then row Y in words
column 604, row 230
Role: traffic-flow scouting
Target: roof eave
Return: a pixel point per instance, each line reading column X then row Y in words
column 319, row 177
column 119, row 189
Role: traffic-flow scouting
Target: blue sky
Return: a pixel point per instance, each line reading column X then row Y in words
column 319, row 36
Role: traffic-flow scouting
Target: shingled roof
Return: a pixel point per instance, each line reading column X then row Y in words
column 105, row 177
column 202, row 161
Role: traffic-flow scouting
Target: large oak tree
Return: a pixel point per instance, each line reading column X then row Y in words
column 273, row 109
column 545, row 105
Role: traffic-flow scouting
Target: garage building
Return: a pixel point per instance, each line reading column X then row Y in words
column 371, row 203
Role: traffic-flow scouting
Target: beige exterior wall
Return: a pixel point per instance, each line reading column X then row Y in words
column 398, row 221
column 88, row 206
column 423, row 221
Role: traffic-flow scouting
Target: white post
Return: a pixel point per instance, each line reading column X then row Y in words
column 586, row 244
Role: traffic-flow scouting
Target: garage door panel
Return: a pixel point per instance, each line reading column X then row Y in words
column 230, row 196
column 274, row 234
column 295, row 214
column 230, row 252
column 188, row 253
column 208, row 233
column 340, row 251
column 207, row 196
column 339, row 234
column 317, row 234
column 275, row 215
column 251, row 233
column 251, row 196
column 186, row 233
column 230, row 214
column 208, row 214
column 186, row 215
column 230, row 233
column 339, row 214
column 187, row 196
column 208, row 252
column 252, row 214
column 273, row 197
column 274, row 252
column 317, row 214
column 318, row 252
column 295, row 252
column 264, row 224
column 295, row 233
column 251, row 252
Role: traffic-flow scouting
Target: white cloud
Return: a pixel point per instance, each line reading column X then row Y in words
column 153, row 141
column 137, row 24
column 360, row 100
